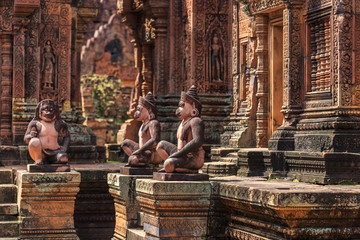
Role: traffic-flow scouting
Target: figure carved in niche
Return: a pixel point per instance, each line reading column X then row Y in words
column 115, row 48
column 149, row 135
column 48, row 63
column 42, row 134
column 188, row 155
column 216, row 59
column 251, row 69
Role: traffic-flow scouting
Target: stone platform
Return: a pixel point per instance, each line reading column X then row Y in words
column 279, row 209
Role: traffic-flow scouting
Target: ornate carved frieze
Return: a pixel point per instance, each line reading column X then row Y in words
column 6, row 15
column 257, row 6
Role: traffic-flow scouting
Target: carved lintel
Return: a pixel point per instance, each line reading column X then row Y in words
column 24, row 8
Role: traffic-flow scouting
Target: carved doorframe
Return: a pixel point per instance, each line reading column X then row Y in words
column 275, row 85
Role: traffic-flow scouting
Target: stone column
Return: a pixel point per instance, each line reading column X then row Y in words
column 261, row 29
column 46, row 202
column 174, row 209
column 127, row 207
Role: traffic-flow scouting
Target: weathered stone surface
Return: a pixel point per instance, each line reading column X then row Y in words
column 9, row 229
column 220, row 169
column 125, row 170
column 126, row 205
column 48, row 168
column 176, row 210
column 7, row 193
column 115, row 153
column 46, row 203
column 254, row 162
column 324, row 168
column 290, row 210
column 6, row 176
column 160, row 176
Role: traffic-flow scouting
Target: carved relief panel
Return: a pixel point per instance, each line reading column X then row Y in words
column 55, row 53
column 212, row 69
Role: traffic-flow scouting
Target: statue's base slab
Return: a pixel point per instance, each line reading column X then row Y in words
column 160, row 176
column 127, row 170
column 32, row 168
column 46, row 204
column 127, row 208
column 174, row 209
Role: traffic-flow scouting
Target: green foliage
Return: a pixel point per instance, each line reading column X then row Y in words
column 107, row 97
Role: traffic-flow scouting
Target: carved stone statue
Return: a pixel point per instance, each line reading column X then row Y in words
column 42, row 134
column 47, row 67
column 216, row 59
column 144, row 152
column 188, row 155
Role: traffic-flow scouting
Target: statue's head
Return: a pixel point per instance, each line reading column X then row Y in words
column 48, row 46
column 215, row 38
column 189, row 105
column 146, row 108
column 47, row 110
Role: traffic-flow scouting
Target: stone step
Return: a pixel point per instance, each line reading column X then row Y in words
column 6, row 176
column 229, row 159
column 8, row 193
column 9, row 229
column 13, row 162
column 135, row 234
column 8, row 209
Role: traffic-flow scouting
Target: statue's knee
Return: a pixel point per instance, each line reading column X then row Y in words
column 133, row 160
column 169, row 166
column 125, row 144
column 160, row 145
column 34, row 143
column 62, row 157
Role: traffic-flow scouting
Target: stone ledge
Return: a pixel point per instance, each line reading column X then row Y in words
column 291, row 210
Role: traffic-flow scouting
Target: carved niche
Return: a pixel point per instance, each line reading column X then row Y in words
column 55, row 50
column 211, row 39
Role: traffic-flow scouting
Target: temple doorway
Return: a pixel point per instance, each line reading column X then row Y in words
column 275, row 74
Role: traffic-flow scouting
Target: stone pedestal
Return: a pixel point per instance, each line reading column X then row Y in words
column 174, row 209
column 122, row 188
column 46, row 203
column 48, row 168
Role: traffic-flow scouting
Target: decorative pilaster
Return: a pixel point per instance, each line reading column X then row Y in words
column 261, row 29
column 292, row 69
column 343, row 29
column 6, row 41
column 161, row 56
